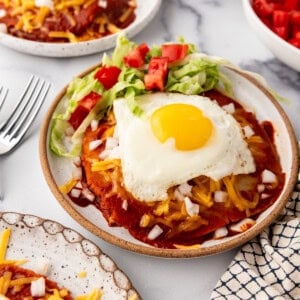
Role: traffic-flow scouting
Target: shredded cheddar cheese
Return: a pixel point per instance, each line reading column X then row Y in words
column 4, row 238
column 104, row 165
column 66, row 20
column 184, row 247
column 96, row 294
column 8, row 281
column 67, row 187
column 82, row 274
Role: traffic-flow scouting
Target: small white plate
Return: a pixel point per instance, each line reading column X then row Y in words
column 146, row 10
column 67, row 253
column 254, row 96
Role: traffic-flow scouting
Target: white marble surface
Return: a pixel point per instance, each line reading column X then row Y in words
column 216, row 26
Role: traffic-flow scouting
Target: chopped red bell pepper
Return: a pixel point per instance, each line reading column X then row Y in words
column 174, row 52
column 108, row 76
column 136, row 58
column 157, row 73
column 85, row 105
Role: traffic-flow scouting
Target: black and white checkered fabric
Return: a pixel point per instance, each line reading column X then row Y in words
column 268, row 267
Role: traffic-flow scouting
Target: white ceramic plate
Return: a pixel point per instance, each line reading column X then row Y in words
column 146, row 10
column 253, row 95
column 67, row 253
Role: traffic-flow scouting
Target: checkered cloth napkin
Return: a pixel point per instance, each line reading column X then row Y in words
column 268, row 267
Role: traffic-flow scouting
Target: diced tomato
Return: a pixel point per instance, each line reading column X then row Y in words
column 136, row 58
column 281, row 31
column 157, row 73
column 174, row 52
column 295, row 42
column 280, row 18
column 108, row 76
column 291, row 4
column 262, row 8
column 295, row 17
column 85, row 105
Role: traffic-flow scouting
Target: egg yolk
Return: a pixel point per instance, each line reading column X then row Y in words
column 185, row 123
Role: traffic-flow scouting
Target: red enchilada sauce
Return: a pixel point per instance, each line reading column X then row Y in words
column 22, row 291
column 111, row 194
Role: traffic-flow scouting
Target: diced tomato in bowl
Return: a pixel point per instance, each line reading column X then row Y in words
column 282, row 17
column 276, row 22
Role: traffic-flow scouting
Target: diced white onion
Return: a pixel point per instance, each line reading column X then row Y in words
column 77, row 173
column 191, row 208
column 185, row 189
column 41, row 266
column 75, row 193
column 111, row 143
column 40, row 3
column 229, row 108
column 94, row 125
column 242, row 225
column 95, row 144
column 155, row 232
column 38, row 287
column 125, row 204
column 3, row 28
column 88, row 194
column 248, row 131
column 261, row 188
column 178, row 196
column 2, row 13
column 220, row 232
column 220, row 196
column 78, row 185
column 268, row 176
column 104, row 154
column 264, row 196
column 102, row 3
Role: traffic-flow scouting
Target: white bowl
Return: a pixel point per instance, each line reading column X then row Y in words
column 285, row 52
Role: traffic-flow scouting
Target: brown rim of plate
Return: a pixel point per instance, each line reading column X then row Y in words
column 238, row 240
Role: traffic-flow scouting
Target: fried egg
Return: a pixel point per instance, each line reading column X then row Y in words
column 178, row 138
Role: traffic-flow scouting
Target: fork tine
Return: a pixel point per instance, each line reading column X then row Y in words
column 29, row 117
column 2, row 99
column 6, row 126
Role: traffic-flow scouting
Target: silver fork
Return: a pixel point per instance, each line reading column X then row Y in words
column 13, row 129
column 3, row 94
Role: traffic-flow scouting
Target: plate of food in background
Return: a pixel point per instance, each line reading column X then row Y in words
column 43, row 259
column 169, row 152
column 71, row 28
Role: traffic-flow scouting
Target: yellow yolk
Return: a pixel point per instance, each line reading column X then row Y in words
column 185, row 123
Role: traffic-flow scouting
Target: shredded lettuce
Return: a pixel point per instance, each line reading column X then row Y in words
column 77, row 89
column 123, row 47
column 196, row 76
column 192, row 75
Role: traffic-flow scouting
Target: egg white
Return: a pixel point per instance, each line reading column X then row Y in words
column 149, row 167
